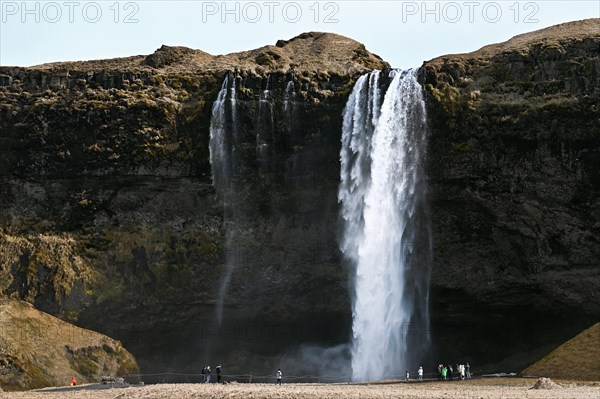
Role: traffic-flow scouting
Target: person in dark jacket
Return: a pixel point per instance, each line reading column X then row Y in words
column 219, row 374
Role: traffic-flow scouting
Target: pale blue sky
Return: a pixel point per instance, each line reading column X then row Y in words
column 405, row 33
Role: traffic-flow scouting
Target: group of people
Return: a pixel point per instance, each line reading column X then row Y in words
column 207, row 374
column 460, row 371
column 419, row 374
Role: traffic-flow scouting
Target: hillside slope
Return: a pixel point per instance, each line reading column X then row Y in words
column 40, row 350
column 576, row 359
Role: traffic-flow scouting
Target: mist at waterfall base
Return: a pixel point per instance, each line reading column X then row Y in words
column 386, row 230
column 384, row 217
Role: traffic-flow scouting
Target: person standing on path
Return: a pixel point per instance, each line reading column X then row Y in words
column 208, row 375
column 468, row 371
column 219, row 374
column 420, row 374
column 279, row 376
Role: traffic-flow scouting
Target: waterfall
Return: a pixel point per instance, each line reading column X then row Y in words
column 224, row 164
column 386, row 224
column 218, row 150
column 290, row 110
column 265, row 137
column 289, row 97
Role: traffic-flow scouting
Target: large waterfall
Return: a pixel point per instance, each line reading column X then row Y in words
column 386, row 223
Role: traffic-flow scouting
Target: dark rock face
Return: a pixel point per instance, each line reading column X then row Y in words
column 515, row 150
column 108, row 217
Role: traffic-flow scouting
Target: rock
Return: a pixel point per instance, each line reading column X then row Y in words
column 106, row 379
column 514, row 160
column 39, row 350
column 545, row 383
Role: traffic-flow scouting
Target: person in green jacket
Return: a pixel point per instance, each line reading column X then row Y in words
column 444, row 373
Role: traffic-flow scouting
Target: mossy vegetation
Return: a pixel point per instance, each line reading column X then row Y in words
column 40, row 350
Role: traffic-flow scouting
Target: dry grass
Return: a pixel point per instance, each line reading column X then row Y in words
column 548, row 37
column 37, row 349
column 487, row 388
column 311, row 52
column 577, row 359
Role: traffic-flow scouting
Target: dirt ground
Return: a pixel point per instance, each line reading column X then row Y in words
column 475, row 389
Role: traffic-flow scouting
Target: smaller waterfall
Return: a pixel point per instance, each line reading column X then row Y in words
column 223, row 147
column 289, row 97
column 218, row 151
column 290, row 109
column 265, row 137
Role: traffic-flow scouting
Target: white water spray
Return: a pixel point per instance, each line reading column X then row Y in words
column 382, row 194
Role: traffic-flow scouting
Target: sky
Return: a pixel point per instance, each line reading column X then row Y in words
column 404, row 33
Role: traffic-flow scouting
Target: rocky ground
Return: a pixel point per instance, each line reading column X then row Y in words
column 485, row 388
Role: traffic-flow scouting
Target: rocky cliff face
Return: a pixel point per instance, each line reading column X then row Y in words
column 514, row 177
column 108, row 217
column 106, row 176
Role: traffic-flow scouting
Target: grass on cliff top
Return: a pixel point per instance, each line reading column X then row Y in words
column 576, row 359
column 313, row 52
column 552, row 36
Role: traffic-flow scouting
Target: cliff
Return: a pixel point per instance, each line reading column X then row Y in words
column 514, row 173
column 108, row 217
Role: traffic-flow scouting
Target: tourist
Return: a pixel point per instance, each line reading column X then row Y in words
column 279, row 376
column 420, row 373
column 444, row 373
column 468, row 371
column 203, row 374
column 208, row 375
column 450, row 371
column 407, row 375
column 440, row 368
column 219, row 374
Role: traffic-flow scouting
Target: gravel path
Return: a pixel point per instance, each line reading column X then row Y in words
column 475, row 389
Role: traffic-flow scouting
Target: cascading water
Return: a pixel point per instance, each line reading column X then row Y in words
column 265, row 136
column 289, row 102
column 289, row 97
column 386, row 223
column 218, row 150
column 223, row 153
